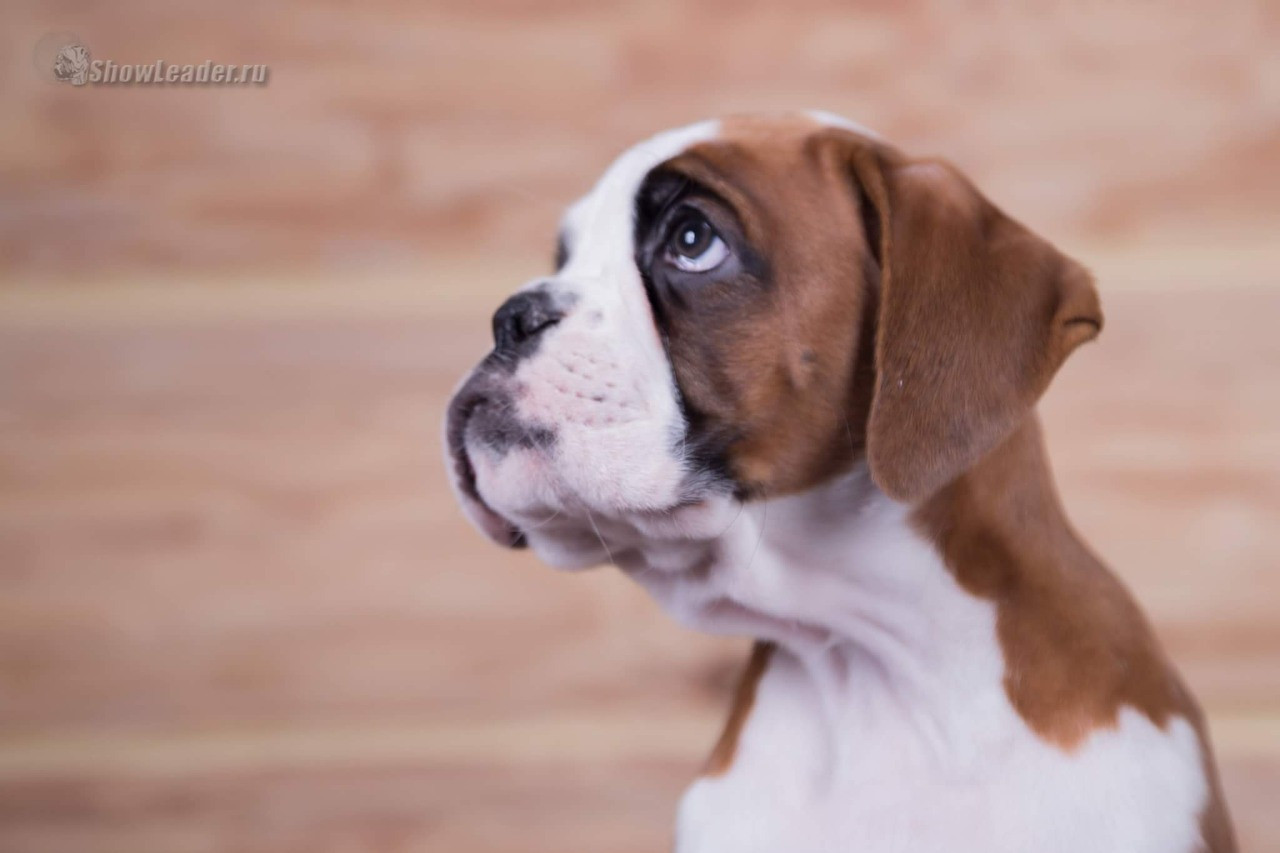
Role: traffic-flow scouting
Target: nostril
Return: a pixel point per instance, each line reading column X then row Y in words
column 536, row 320
column 522, row 318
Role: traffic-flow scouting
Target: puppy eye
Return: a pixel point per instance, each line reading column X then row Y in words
column 694, row 246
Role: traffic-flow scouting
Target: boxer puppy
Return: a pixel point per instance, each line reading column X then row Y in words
column 784, row 377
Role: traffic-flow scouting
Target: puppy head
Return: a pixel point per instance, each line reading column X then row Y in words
column 745, row 309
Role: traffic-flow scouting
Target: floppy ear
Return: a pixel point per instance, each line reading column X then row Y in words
column 976, row 314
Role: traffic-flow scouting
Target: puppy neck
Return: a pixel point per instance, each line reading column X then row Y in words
column 855, row 588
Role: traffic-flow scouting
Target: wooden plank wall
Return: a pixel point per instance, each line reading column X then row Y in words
column 238, row 608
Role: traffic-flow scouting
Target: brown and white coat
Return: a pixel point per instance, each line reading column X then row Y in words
column 784, row 377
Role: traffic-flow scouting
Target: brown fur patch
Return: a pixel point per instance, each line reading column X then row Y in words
column 721, row 758
column 1076, row 647
column 1216, row 831
column 783, row 362
column 904, row 317
column 972, row 314
column 977, row 314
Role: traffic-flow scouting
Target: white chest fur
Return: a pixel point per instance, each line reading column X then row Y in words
column 882, row 723
column 863, row 777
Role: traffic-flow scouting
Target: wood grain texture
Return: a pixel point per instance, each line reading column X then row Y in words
column 392, row 131
column 239, row 610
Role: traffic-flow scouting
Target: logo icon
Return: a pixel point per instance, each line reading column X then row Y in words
column 72, row 64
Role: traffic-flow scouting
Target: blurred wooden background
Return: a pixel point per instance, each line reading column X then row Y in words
column 238, row 609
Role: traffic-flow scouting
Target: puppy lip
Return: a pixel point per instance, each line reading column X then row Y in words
column 493, row 525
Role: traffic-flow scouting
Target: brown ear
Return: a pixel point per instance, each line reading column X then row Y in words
column 976, row 315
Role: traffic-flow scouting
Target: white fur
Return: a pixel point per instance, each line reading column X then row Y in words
column 601, row 379
column 824, row 117
column 882, row 723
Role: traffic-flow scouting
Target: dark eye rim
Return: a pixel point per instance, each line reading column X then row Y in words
column 667, row 198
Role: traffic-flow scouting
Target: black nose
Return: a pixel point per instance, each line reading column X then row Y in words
column 521, row 319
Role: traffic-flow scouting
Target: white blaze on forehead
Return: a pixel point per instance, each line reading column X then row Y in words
column 614, row 329
column 600, row 379
column 599, row 227
column 599, row 233
column 833, row 120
